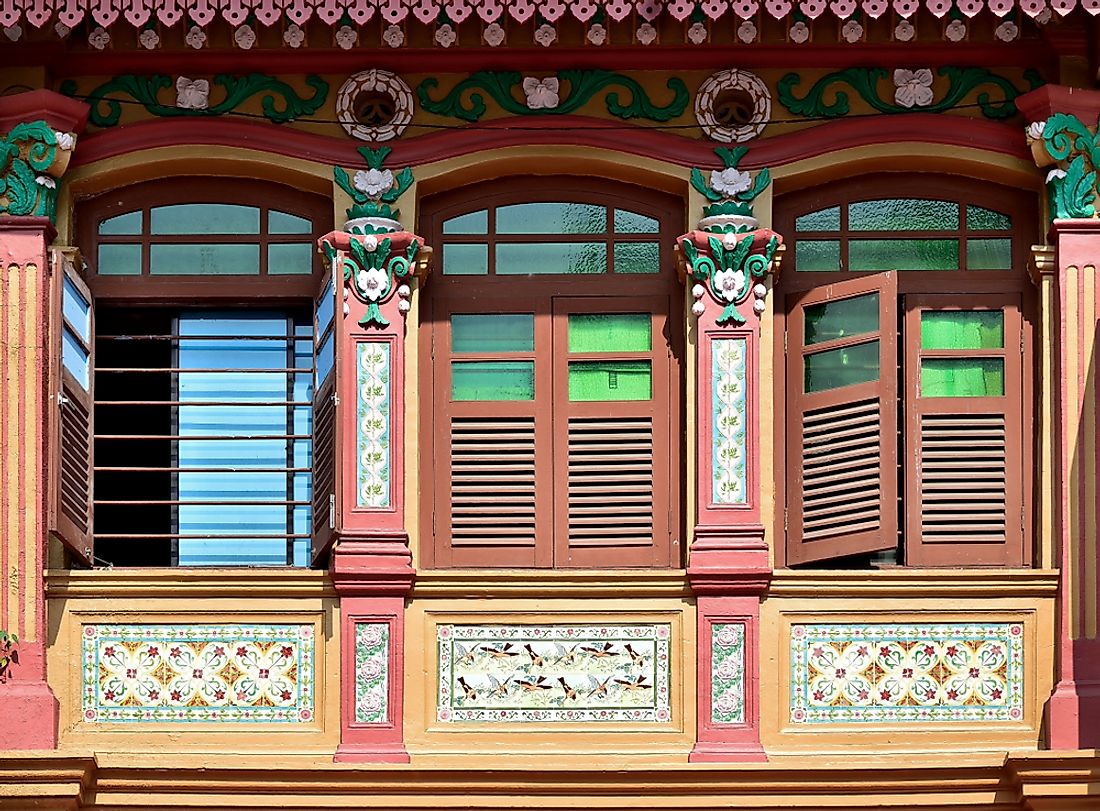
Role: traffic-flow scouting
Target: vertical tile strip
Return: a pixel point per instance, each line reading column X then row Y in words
column 372, row 442
column 729, row 452
column 727, row 673
column 372, row 678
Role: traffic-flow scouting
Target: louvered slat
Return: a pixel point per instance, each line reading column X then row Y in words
column 75, row 472
column 324, row 456
column 612, row 451
column 493, row 481
column 841, row 490
column 963, row 478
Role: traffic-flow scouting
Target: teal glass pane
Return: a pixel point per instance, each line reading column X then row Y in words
column 842, row 318
column 828, row 219
column 492, row 380
column 204, row 218
column 279, row 222
column 495, row 332
column 465, row 260
column 630, row 222
column 290, row 259
column 962, row 377
column 539, row 258
column 551, row 218
column 76, row 309
column 903, row 215
column 119, row 260
column 601, row 381
column 962, row 329
column 989, row 254
column 74, row 357
column 476, row 222
column 817, row 255
column 982, row 219
column 217, row 259
column 903, row 254
column 637, row 257
column 610, row 332
column 123, row 224
column 835, row 368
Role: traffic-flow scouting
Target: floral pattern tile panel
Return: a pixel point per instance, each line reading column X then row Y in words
column 553, row 673
column 727, row 675
column 907, row 673
column 372, row 664
column 372, row 440
column 188, row 673
column 729, row 474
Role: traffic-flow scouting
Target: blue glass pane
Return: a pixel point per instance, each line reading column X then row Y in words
column 77, row 310
column 326, row 357
column 326, row 308
column 74, row 358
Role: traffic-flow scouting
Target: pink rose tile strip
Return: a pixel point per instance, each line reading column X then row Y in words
column 372, row 663
column 727, row 673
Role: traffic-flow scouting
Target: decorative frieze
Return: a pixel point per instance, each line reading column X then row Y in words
column 727, row 673
column 553, row 673
column 372, row 420
column 372, row 677
column 729, row 446
column 890, row 673
column 192, row 673
column 33, row 156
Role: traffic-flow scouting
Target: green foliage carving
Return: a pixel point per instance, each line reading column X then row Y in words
column 865, row 82
column 280, row 102
column 26, row 155
column 374, row 189
column 731, row 190
column 466, row 100
column 1073, row 186
column 374, row 272
column 729, row 269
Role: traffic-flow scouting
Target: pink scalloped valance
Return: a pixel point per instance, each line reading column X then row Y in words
column 268, row 12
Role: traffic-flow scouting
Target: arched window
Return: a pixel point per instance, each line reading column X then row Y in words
column 907, row 356
column 551, row 344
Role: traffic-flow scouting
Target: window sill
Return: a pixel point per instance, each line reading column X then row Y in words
column 901, row 582
column 582, row 583
column 179, row 582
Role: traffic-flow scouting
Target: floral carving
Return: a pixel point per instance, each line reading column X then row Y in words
column 375, row 271
column 542, row 94
column 32, row 156
column 149, row 39
column 294, row 36
column 192, row 94
column 913, row 88
column 545, row 35
column 727, row 674
column 394, row 36
column 597, row 34
column 1065, row 140
column 99, row 38
column 493, row 35
column 196, row 37
column 372, row 662
column 723, row 82
column 245, row 37
column 372, row 441
column 375, row 189
column 346, row 37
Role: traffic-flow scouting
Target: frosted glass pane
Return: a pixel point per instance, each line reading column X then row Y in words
column 122, row 224
column 476, row 222
column 962, row 329
column 629, row 222
column 119, row 260
column 982, row 219
column 962, row 377
column 599, row 381
column 494, row 332
column 828, row 219
column 989, row 254
column 492, row 380
column 220, row 259
column 637, row 257
column 817, row 254
column 903, row 254
column 835, row 368
column 287, row 259
column 610, row 332
column 551, row 218
column 204, row 218
column 279, row 222
column 536, row 258
column 465, row 260
column 903, row 215
column 842, row 318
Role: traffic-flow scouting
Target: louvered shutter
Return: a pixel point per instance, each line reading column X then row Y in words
column 963, row 433
column 842, row 420
column 614, row 458
column 328, row 311
column 71, row 386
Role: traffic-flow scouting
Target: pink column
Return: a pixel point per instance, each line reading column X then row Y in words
column 371, row 564
column 41, row 125
column 729, row 566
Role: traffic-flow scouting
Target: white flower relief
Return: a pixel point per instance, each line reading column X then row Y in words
column 728, row 284
column 904, row 31
column 597, row 34
column 445, row 35
column 373, row 182
column 394, row 36
column 195, row 38
column 913, row 88
column 852, row 31
column 800, row 32
column 346, row 37
column 545, row 35
column 1055, row 174
column 99, row 38
column 1006, row 31
column 955, row 31
column 697, row 34
column 370, row 242
column 646, row 34
column 730, row 182
column 493, row 35
column 1044, row 16
column 46, row 180
column 65, row 140
column 542, row 94
column 245, row 37
column 371, row 283
column 746, row 32
column 62, row 30
column 1035, row 130
column 294, row 36
column 192, row 94
column 13, row 32
column 149, row 39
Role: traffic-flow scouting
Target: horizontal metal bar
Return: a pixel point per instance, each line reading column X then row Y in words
column 169, row 369
column 286, row 339
column 250, row 536
column 118, row 469
column 217, row 437
column 248, row 403
column 203, row 503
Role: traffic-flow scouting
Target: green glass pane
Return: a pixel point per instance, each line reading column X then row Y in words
column 989, row 254
column 903, row 215
column 836, row 368
column 476, row 222
column 122, row 224
column 119, row 260
column 465, row 260
column 982, row 219
column 962, row 329
column 291, row 258
column 551, row 218
column 629, row 222
column 551, row 257
column 495, row 332
column 492, row 380
column 817, row 254
column 600, row 381
column 610, row 332
column 637, row 257
column 828, row 219
column 842, row 318
column 903, row 254
column 205, row 218
column 279, row 222
column 962, row 377
column 228, row 258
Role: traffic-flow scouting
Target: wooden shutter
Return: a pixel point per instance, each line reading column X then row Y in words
column 964, row 493
column 614, row 460
column 71, row 399
column 328, row 312
column 842, row 420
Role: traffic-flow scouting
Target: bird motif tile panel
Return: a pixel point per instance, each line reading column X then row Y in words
column 553, row 673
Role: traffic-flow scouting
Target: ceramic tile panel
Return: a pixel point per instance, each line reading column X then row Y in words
column 372, row 664
column 729, row 445
column 727, row 673
column 372, row 440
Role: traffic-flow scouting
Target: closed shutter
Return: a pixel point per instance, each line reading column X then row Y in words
column 71, row 387
column 964, row 495
column 842, row 420
column 328, row 311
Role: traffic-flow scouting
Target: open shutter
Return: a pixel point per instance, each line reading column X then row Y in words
column 327, row 310
column 72, row 331
column 963, row 432
column 612, row 449
column 842, row 420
